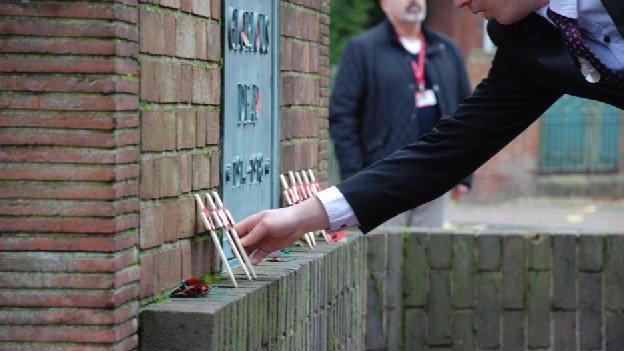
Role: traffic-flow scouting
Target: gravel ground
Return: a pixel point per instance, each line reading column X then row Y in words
column 587, row 215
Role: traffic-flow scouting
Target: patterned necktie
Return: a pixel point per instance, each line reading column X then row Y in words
column 598, row 71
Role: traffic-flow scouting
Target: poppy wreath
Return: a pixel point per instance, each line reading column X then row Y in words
column 191, row 287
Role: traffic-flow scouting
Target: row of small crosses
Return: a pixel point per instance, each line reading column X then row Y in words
column 303, row 185
column 217, row 216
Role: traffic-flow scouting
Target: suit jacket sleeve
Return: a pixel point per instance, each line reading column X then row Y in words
column 345, row 111
column 502, row 106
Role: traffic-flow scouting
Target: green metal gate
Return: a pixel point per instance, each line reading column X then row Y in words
column 579, row 136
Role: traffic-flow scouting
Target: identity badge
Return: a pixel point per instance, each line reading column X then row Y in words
column 425, row 98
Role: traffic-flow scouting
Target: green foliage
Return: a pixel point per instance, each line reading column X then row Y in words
column 211, row 278
column 160, row 297
column 375, row 14
column 157, row 298
column 348, row 18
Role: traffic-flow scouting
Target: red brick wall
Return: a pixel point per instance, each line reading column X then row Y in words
column 511, row 172
column 109, row 123
column 69, row 135
column 304, row 56
column 180, row 94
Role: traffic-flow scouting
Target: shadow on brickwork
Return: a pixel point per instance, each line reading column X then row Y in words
column 504, row 291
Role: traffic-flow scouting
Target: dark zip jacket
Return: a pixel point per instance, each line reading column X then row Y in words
column 372, row 111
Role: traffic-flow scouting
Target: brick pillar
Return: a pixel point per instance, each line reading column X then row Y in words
column 110, row 122
column 179, row 56
column 68, row 175
column 325, row 77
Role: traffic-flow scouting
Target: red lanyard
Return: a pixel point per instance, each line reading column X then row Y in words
column 418, row 66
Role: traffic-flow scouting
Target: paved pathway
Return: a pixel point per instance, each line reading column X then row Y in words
column 542, row 213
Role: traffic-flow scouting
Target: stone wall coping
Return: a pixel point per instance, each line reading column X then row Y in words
column 223, row 294
column 491, row 231
column 310, row 302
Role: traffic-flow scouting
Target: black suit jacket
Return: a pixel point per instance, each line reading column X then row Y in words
column 531, row 70
column 372, row 111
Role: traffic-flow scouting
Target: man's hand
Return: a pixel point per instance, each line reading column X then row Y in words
column 271, row 230
column 458, row 191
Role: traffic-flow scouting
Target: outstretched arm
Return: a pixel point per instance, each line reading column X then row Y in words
column 503, row 106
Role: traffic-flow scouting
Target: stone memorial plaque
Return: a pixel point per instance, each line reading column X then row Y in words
column 250, row 117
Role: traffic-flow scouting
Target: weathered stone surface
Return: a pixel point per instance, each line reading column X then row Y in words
column 241, row 327
column 321, row 301
column 564, row 272
column 488, row 310
column 174, row 328
column 489, row 251
column 440, row 251
column 323, row 331
column 590, row 253
column 415, row 271
column 564, row 330
column 272, row 313
column 540, row 252
column 394, row 292
column 291, row 301
column 513, row 304
column 513, row 331
column 590, row 311
column 375, row 320
column 538, row 300
column 614, row 273
column 439, row 314
column 394, row 321
column 463, row 330
column 377, row 255
column 514, row 271
column 614, row 330
column 415, row 329
column 273, row 327
column 463, row 271
column 219, row 330
column 394, row 269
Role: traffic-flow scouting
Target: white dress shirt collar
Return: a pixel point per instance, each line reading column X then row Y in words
column 568, row 8
column 412, row 45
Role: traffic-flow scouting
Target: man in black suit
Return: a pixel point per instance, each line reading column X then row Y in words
column 545, row 49
column 387, row 94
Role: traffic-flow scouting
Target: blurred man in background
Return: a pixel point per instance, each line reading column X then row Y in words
column 395, row 81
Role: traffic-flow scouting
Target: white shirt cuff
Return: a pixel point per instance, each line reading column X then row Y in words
column 339, row 212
